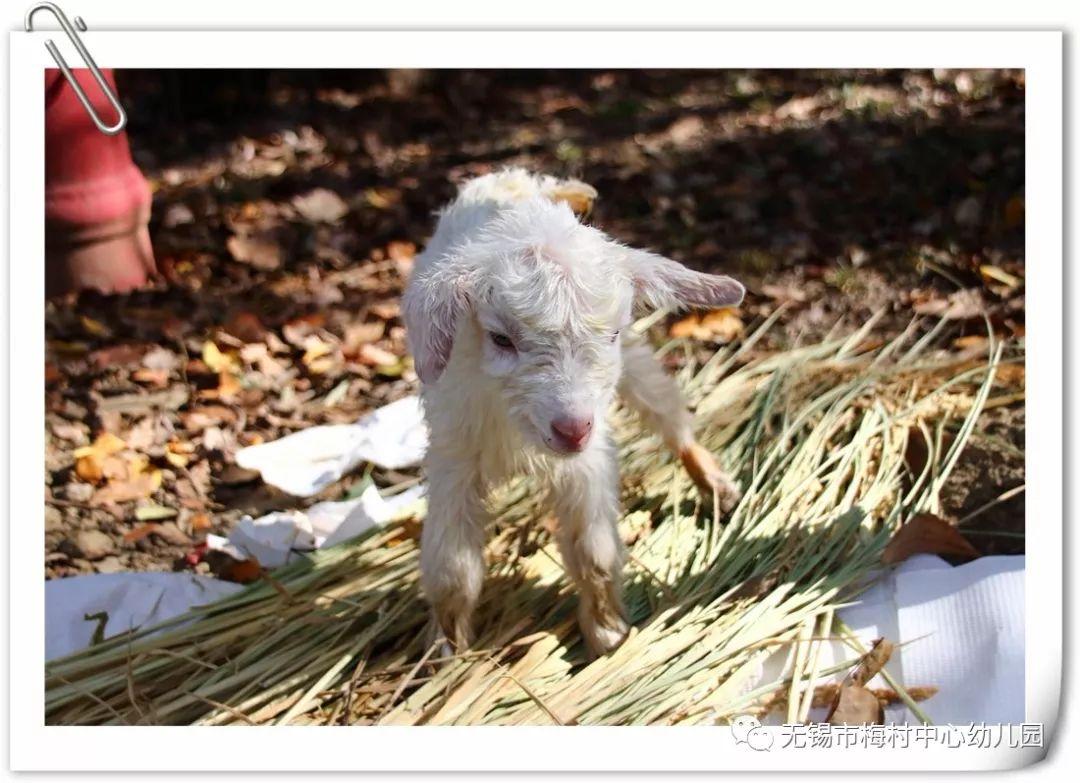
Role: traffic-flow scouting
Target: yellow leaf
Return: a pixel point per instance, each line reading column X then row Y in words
column 1000, row 275
column 722, row 325
column 216, row 360
column 686, row 327
column 315, row 348
column 176, row 460
column 96, row 328
column 105, row 444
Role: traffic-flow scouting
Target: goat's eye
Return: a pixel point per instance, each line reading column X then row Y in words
column 615, row 336
column 502, row 341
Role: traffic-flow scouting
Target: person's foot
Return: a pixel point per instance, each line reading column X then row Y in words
column 113, row 256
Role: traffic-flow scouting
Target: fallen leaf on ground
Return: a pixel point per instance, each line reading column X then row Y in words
column 158, row 378
column 785, row 293
column 117, row 355
column 94, row 327
column 1010, row 374
column 227, row 389
column 261, row 251
column 998, row 275
column 386, row 310
column 154, row 512
column 247, row 327
column 141, row 482
column 375, row 356
column 321, row 206
column 139, row 533
column 160, row 359
column 959, row 305
column 166, row 399
column 171, row 534
column 357, row 335
column 198, row 419
column 90, row 460
column 315, row 348
column 217, row 361
column 723, row 325
column 971, row 342
column 240, row 571
column 926, row 534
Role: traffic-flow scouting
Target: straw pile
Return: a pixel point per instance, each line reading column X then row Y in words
column 817, row 436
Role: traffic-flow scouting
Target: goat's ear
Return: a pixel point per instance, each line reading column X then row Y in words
column 662, row 283
column 431, row 307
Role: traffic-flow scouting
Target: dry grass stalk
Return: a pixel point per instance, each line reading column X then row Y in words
column 816, row 434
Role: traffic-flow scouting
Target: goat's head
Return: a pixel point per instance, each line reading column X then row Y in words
column 545, row 300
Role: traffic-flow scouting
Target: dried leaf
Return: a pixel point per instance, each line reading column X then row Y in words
column 104, row 444
column 116, row 356
column 722, row 325
column 375, row 356
column 998, row 275
column 926, row 534
column 315, row 348
column 198, row 419
column 856, row 706
column 157, row 378
column 359, row 335
column 227, row 389
column 139, row 533
column 154, row 512
column 873, row 662
column 216, row 360
column 960, row 305
column 972, row 342
column 171, row 534
column 240, row 571
column 321, row 206
column 136, row 486
column 167, row 399
column 94, row 328
column 90, row 460
column 247, row 327
column 262, row 250
column 386, row 310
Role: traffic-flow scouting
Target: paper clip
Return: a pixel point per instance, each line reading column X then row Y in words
column 28, row 23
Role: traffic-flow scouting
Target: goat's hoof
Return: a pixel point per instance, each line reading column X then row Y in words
column 710, row 477
column 446, row 647
column 601, row 637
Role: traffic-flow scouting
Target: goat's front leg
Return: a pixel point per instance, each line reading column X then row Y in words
column 452, row 548
column 585, row 499
column 655, row 395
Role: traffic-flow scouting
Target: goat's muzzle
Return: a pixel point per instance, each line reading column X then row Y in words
column 572, row 433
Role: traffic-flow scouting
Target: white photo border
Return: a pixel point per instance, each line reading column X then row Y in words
column 35, row 746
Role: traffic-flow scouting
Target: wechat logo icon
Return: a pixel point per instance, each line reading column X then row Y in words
column 747, row 730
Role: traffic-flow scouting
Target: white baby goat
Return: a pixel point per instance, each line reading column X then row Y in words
column 517, row 318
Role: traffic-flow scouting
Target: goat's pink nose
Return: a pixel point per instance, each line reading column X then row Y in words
column 572, row 433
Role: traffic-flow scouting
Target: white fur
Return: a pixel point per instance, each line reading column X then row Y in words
column 509, row 258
